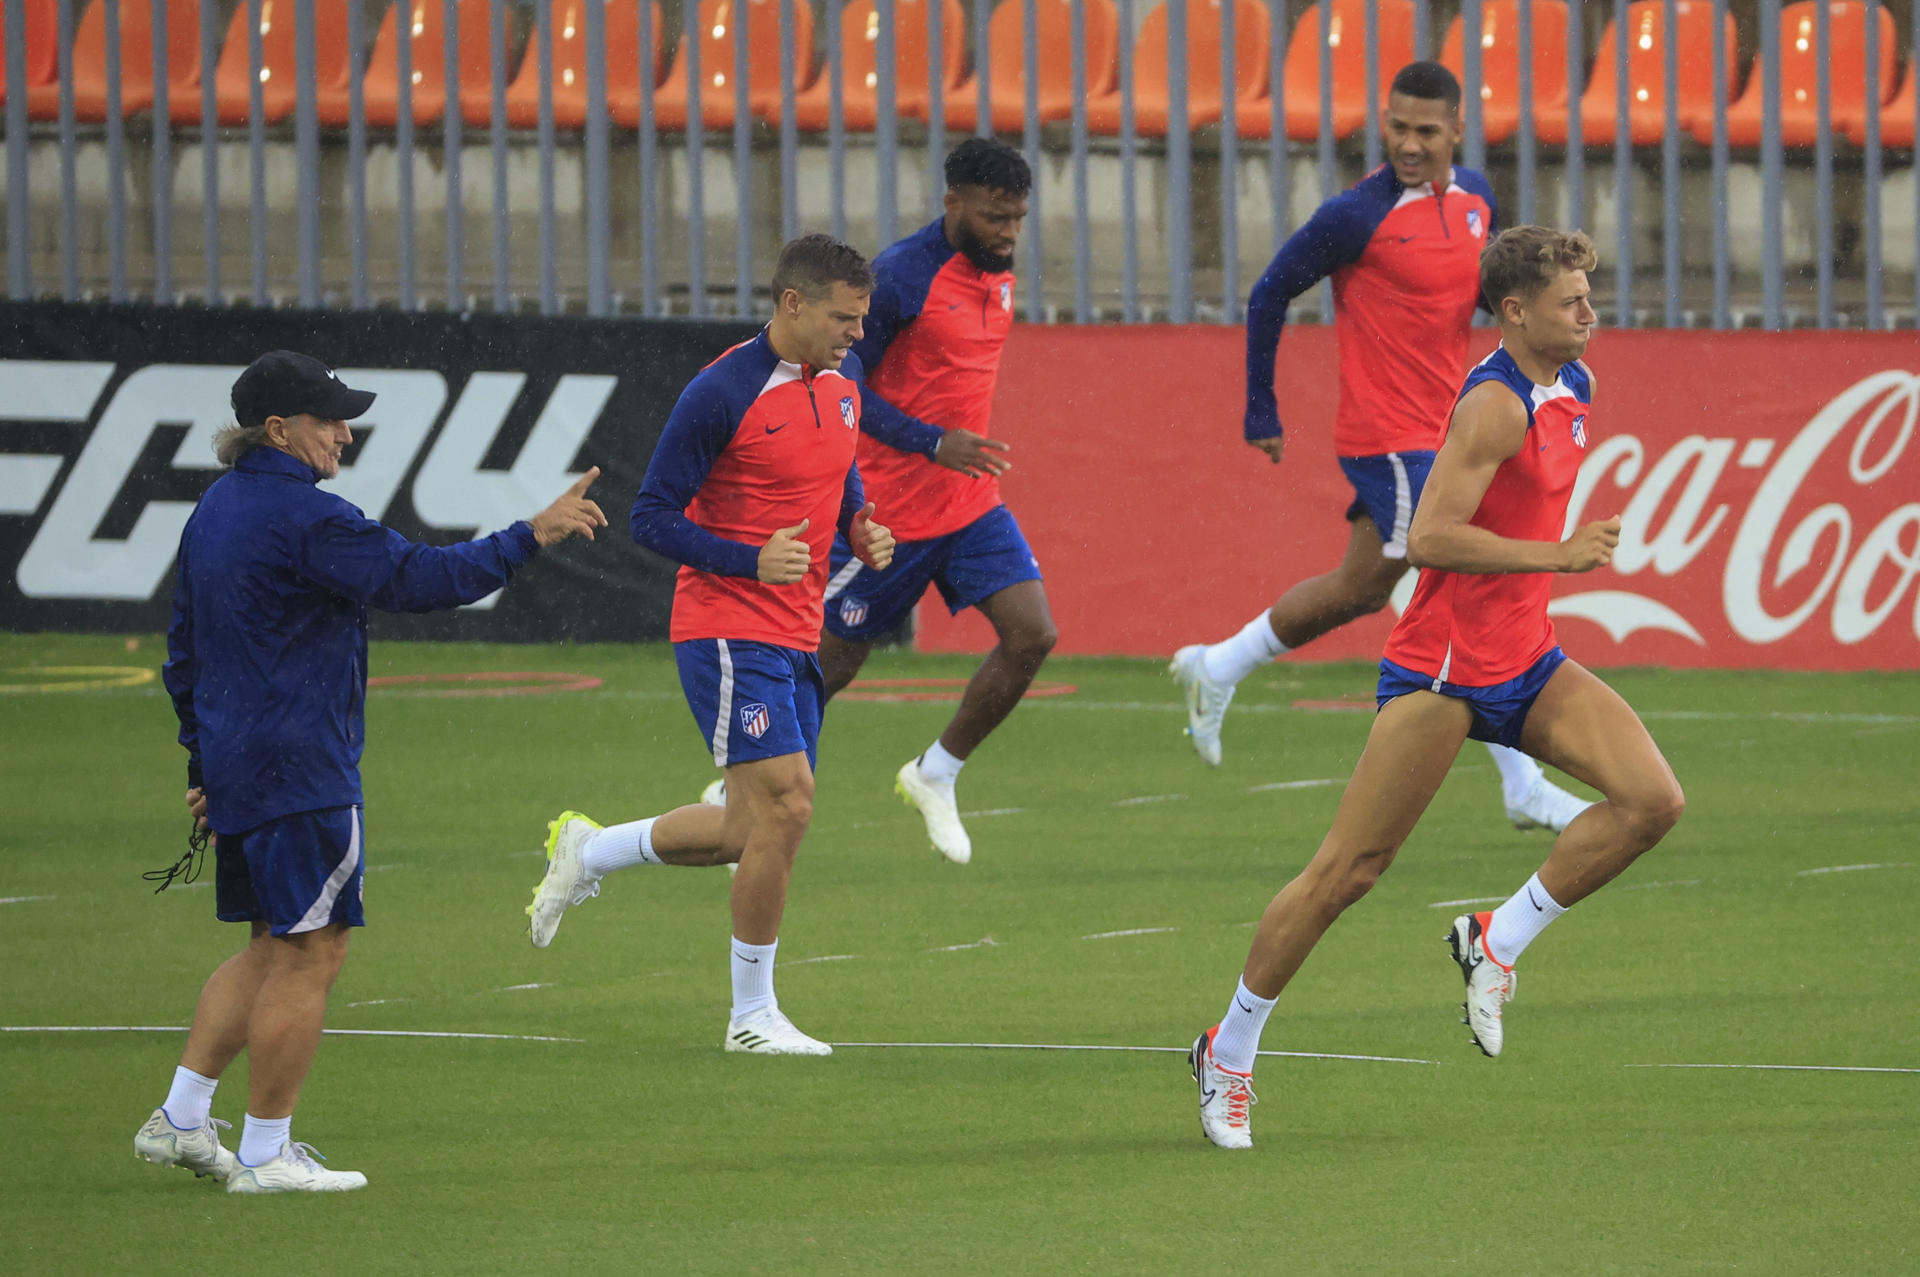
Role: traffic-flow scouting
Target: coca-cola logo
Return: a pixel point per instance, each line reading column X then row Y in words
column 1829, row 530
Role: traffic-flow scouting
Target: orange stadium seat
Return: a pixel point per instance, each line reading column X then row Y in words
column 860, row 60
column 570, row 70
column 717, row 95
column 278, row 83
column 1348, row 38
column 136, row 61
column 1896, row 117
column 1007, row 57
column 1150, row 74
column 1647, row 76
column 380, row 85
column 1500, row 55
column 1799, row 69
column 43, row 43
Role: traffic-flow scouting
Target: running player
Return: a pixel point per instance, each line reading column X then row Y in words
column 754, row 466
column 1403, row 248
column 1474, row 655
column 942, row 306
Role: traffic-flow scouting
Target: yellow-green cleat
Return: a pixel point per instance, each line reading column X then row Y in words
column 567, row 882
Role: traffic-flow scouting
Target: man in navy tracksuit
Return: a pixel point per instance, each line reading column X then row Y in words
column 267, row 667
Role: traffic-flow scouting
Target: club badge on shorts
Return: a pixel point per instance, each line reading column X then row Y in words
column 848, row 413
column 754, row 719
column 852, row 611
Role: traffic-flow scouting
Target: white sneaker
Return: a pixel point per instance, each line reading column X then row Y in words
column 164, row 1144
column 567, row 882
column 715, row 794
column 1225, row 1096
column 767, row 1032
column 1207, row 701
column 293, row 1171
column 1489, row 985
column 1546, row 806
column 937, row 807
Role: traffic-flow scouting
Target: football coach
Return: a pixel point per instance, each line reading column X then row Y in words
column 267, row 668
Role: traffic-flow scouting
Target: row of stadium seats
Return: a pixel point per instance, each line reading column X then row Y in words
column 1252, row 105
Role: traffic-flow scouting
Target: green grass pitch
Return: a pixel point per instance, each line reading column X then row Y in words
column 640, row 1147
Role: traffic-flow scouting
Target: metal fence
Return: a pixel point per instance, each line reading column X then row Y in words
column 587, row 155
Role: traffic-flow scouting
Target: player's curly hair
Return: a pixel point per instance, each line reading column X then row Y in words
column 1428, row 80
column 1522, row 260
column 990, row 163
column 813, row 264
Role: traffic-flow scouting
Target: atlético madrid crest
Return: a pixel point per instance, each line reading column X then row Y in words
column 1580, row 430
column 1006, row 294
column 754, row 719
column 848, row 414
column 852, row 611
column 1475, row 226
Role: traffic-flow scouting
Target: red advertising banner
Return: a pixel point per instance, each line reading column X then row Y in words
column 1769, row 486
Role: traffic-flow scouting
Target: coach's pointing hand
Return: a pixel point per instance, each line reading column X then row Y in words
column 973, row 455
column 1273, row 447
column 572, row 513
column 785, row 558
column 872, row 544
column 1592, row 546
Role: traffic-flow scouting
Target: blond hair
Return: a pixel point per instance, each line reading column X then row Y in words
column 1522, row 260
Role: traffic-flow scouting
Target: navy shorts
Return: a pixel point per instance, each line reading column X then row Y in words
column 298, row 873
column 1386, row 489
column 968, row 566
column 1499, row 712
column 752, row 700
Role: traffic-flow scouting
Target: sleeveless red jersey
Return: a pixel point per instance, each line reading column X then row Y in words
column 1478, row 629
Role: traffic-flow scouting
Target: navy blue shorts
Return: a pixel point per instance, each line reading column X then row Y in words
column 1499, row 712
column 298, row 873
column 968, row 566
column 1386, row 489
column 752, row 700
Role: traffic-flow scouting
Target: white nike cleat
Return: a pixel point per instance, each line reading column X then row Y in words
column 768, row 1032
column 1207, row 701
column 293, row 1170
column 1225, row 1096
column 937, row 806
column 567, row 882
column 164, row 1144
column 715, row 794
column 1546, row 806
column 1489, row 984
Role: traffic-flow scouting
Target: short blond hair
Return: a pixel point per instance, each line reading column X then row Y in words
column 1522, row 260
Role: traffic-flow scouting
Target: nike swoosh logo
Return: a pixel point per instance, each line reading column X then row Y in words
column 744, row 958
column 774, row 430
column 953, row 305
column 1244, row 1006
column 1206, row 1098
column 1537, row 906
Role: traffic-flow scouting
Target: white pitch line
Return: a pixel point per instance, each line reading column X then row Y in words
column 378, row 1002
column 1847, row 869
column 20, row 900
column 1066, row 1046
column 831, row 957
column 1649, row 886
column 984, row 942
column 516, row 988
column 1134, row 931
column 1291, row 784
column 1470, row 900
column 1782, row 1068
column 1149, row 798
column 352, row 1033
column 994, row 811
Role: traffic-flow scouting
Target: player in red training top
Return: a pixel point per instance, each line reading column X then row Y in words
column 942, row 307
column 1474, row 655
column 1403, row 248
column 753, row 471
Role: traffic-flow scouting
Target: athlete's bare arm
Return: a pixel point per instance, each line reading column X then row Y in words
column 1490, row 425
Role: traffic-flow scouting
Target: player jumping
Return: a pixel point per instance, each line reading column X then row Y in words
column 754, row 467
column 1474, row 655
column 1403, row 249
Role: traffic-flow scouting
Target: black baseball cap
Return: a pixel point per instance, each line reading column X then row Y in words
column 284, row 383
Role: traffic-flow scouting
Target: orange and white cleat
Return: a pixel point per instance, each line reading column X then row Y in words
column 1225, row 1096
column 1490, row 983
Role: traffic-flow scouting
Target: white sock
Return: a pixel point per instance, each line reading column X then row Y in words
column 1518, row 773
column 1238, row 1041
column 1241, row 655
column 940, row 767
column 261, row 1138
column 620, row 846
column 1515, row 923
column 190, row 1102
column 752, row 977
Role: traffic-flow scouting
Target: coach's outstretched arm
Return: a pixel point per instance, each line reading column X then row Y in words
column 1489, row 426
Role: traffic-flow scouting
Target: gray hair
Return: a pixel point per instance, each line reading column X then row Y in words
column 236, row 441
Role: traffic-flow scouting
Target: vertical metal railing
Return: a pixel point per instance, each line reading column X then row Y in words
column 19, row 197
column 406, row 261
column 886, row 131
column 1278, row 178
column 649, row 156
column 1179, row 170
column 544, row 139
column 1870, row 160
column 1523, row 144
column 1472, row 36
column 695, row 144
column 306, row 130
column 1329, row 181
column 1032, row 238
column 742, row 163
column 1574, row 172
column 936, row 102
column 1082, row 212
column 1773, row 312
column 1129, row 198
column 1670, row 160
column 599, row 228
column 162, row 156
column 116, row 161
column 69, row 181
column 1423, row 29
column 1371, row 102
column 836, row 120
column 789, row 127
column 451, row 138
column 983, row 66
column 1622, row 166
column 209, row 155
column 1229, row 164
column 497, row 146
column 1720, row 164
column 1822, row 164
column 257, row 148
column 361, row 293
